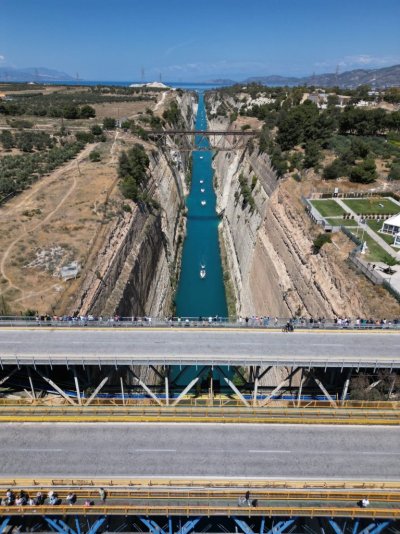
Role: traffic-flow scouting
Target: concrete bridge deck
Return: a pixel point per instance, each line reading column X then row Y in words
column 183, row 450
column 189, row 346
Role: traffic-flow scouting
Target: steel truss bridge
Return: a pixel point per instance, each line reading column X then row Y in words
column 180, row 506
column 120, row 360
column 203, row 140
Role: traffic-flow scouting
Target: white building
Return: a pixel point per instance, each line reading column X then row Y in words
column 392, row 226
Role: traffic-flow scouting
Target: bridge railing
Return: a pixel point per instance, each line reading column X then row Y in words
column 262, row 322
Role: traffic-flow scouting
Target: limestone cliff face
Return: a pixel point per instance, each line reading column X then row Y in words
column 136, row 269
column 269, row 248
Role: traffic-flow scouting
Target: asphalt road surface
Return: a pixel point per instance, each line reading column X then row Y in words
column 207, row 346
column 171, row 450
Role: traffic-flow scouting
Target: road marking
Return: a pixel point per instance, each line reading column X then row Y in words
column 265, row 451
column 154, row 450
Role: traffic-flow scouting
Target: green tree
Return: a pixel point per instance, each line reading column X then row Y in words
column 364, row 173
column 6, row 139
column 320, row 241
column 87, row 112
column 109, row 123
column 335, row 170
column 312, row 154
column 394, row 173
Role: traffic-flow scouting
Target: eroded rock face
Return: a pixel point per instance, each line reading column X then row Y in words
column 135, row 272
column 269, row 249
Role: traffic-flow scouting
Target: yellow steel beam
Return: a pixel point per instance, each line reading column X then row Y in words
column 290, row 511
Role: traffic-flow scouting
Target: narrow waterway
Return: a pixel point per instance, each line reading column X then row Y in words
column 197, row 296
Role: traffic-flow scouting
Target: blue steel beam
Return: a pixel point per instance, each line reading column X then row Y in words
column 243, row 525
column 280, row 527
column 335, row 526
column 170, row 531
column 188, row 526
column 355, row 526
column 55, row 526
column 152, row 526
column 262, row 526
column 77, row 525
column 96, row 525
column 4, row 524
column 375, row 528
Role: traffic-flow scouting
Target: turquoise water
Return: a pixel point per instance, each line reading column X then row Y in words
column 198, row 296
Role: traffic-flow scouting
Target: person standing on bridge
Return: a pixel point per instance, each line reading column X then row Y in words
column 103, row 495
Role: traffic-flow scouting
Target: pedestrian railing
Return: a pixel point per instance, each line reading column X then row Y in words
column 263, row 322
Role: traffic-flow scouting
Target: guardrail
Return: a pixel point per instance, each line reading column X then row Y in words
column 215, row 402
column 201, row 482
column 189, row 414
column 226, row 511
column 269, row 323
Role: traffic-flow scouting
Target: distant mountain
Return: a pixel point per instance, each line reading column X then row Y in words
column 384, row 77
column 33, row 74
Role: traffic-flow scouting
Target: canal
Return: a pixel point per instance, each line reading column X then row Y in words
column 197, row 296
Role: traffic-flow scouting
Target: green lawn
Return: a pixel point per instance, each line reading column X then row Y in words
column 376, row 226
column 371, row 206
column 375, row 252
column 328, row 207
column 341, row 222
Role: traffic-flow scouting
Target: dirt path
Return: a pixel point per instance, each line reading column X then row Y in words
column 24, row 203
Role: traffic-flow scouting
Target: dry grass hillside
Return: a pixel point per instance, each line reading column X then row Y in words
column 62, row 218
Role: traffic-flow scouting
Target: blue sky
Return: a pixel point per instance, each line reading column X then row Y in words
column 198, row 39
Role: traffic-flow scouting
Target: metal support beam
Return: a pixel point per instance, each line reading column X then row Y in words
column 188, row 526
column 255, row 391
column 152, row 525
column 5, row 378
column 31, row 384
column 146, row 388
column 262, row 526
column 373, row 385
column 335, row 526
column 355, row 527
column 187, row 388
column 375, row 528
column 265, row 372
column 280, row 527
column 77, row 525
column 278, row 387
column 170, row 531
column 322, row 388
column 4, row 524
column 92, row 396
column 243, row 525
column 122, row 390
column 302, row 380
column 54, row 385
column 235, row 389
column 346, row 385
column 96, row 525
column 58, row 528
column 78, row 393
column 166, row 391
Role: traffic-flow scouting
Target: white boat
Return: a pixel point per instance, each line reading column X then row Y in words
column 202, row 181
column 201, row 157
column 202, row 190
column 203, row 202
column 202, row 273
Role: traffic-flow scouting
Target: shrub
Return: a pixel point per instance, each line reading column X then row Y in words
column 320, row 241
column 95, row 156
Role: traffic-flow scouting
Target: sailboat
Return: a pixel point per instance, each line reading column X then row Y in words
column 202, row 190
column 203, row 271
column 203, row 202
column 202, row 181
